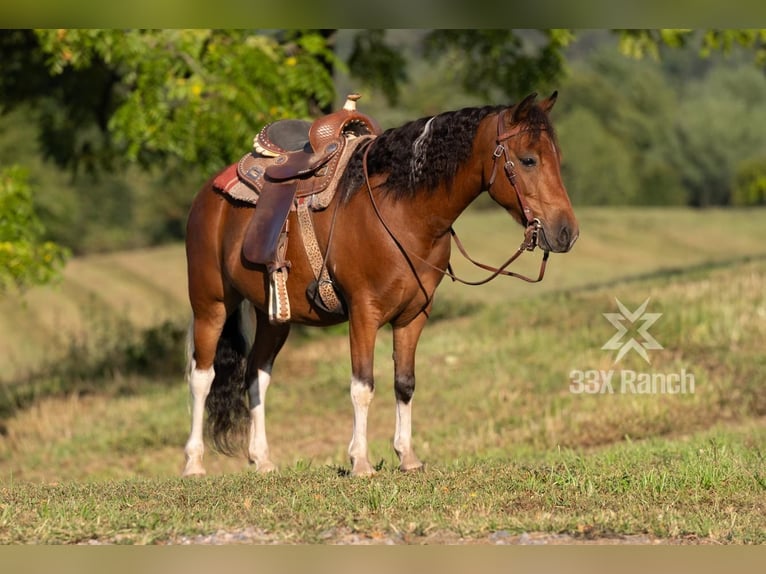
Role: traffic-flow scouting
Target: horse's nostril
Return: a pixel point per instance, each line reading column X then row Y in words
column 564, row 236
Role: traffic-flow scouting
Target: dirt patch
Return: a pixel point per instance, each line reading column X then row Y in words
column 501, row 537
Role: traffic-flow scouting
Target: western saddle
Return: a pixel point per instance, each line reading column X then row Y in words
column 295, row 165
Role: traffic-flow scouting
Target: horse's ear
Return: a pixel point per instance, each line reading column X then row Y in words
column 521, row 109
column 547, row 103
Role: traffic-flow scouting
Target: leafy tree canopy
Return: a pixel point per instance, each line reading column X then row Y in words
column 149, row 96
column 25, row 259
column 194, row 97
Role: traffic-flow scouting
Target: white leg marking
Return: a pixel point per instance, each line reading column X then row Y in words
column 403, row 437
column 361, row 397
column 259, row 446
column 199, row 385
column 403, row 434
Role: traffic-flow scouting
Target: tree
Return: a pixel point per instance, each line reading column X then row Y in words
column 630, row 127
column 638, row 43
column 719, row 127
column 177, row 103
column 191, row 96
column 598, row 170
column 25, row 258
column 750, row 183
column 194, row 97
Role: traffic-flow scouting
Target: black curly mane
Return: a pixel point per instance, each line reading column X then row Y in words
column 445, row 144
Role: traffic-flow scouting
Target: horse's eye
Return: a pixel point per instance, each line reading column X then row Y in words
column 528, row 161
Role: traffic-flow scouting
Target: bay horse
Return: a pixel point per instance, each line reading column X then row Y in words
column 386, row 239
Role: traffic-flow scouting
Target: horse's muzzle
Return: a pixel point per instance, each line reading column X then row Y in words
column 559, row 238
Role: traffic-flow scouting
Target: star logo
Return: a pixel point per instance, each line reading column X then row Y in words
column 619, row 320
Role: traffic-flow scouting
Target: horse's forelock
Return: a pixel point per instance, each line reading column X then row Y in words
column 537, row 121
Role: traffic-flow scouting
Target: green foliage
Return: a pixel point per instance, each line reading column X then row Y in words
column 617, row 133
column 135, row 120
column 491, row 61
column 597, row 169
column 194, row 96
column 638, row 43
column 750, row 183
column 719, row 127
column 684, row 129
column 383, row 66
column 25, row 257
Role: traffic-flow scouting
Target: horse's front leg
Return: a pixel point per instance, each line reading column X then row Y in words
column 362, row 340
column 268, row 342
column 405, row 343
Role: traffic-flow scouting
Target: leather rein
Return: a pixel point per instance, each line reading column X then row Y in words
column 532, row 224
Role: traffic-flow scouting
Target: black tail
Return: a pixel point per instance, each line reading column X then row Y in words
column 227, row 408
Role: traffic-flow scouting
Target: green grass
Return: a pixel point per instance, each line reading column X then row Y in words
column 509, row 449
column 710, row 486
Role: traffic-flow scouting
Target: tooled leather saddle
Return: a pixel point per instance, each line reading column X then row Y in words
column 294, row 165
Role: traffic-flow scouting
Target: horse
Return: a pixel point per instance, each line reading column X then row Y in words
column 386, row 241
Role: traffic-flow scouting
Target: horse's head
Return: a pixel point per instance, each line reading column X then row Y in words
column 525, row 173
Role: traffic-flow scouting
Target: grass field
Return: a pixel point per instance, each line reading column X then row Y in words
column 511, row 450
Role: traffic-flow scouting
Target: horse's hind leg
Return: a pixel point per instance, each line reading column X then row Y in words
column 362, row 333
column 268, row 342
column 405, row 343
column 205, row 331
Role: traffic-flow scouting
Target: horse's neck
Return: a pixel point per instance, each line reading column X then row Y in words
column 439, row 208
column 456, row 194
column 444, row 205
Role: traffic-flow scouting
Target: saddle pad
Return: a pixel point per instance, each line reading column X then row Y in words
column 229, row 183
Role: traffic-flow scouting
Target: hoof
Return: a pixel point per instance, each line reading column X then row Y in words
column 191, row 472
column 412, row 467
column 194, row 466
column 264, row 467
column 409, row 462
column 362, row 469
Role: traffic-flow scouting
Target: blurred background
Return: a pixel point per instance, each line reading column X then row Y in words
column 106, row 135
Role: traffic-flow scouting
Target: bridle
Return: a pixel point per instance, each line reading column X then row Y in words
column 532, row 224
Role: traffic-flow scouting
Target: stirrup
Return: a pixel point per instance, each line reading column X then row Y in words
column 279, row 302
